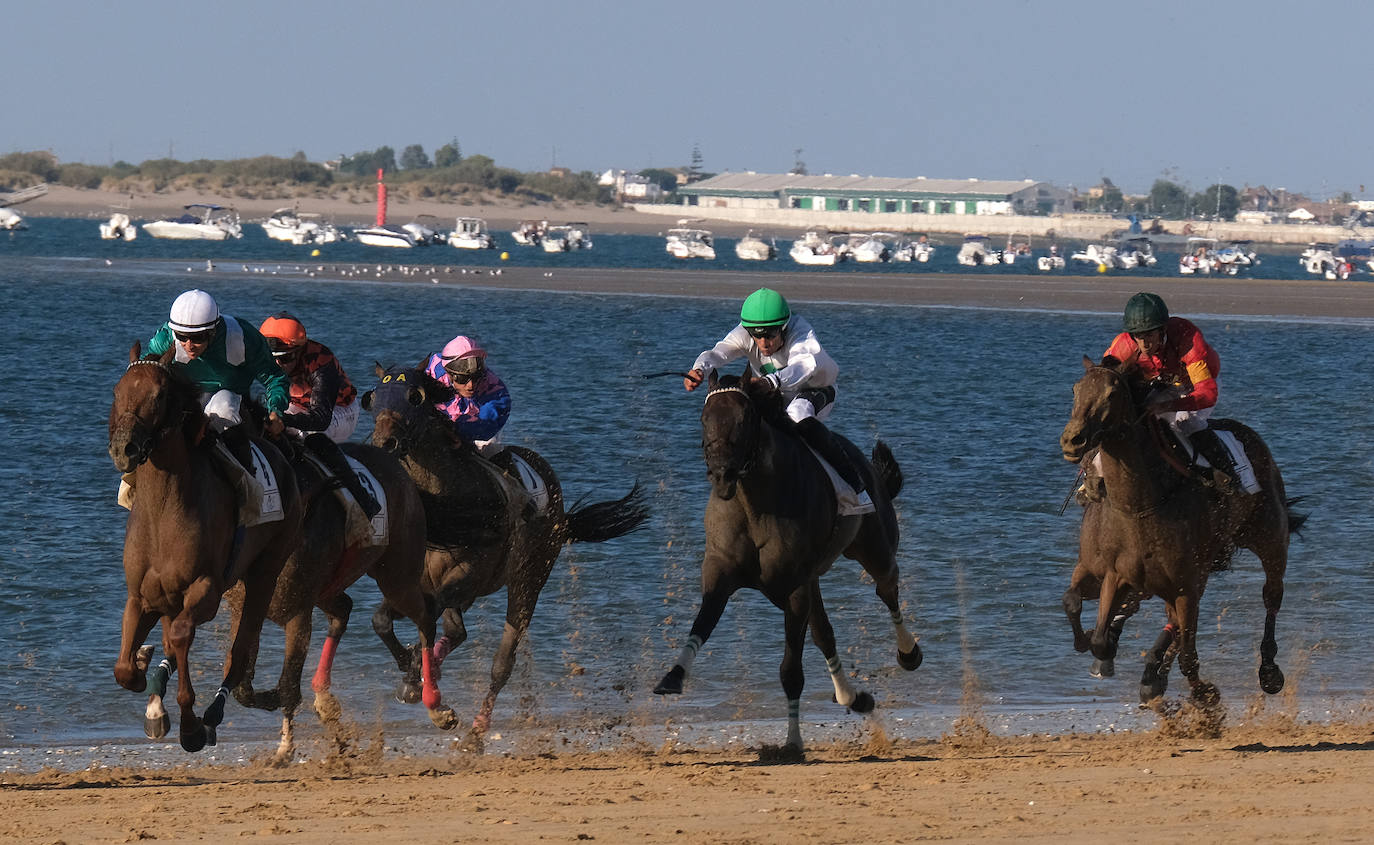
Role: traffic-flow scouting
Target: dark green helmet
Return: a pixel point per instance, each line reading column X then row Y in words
column 1145, row 312
column 764, row 307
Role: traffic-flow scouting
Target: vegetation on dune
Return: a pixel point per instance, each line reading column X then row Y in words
column 448, row 177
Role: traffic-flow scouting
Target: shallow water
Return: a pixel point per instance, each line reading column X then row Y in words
column 971, row 402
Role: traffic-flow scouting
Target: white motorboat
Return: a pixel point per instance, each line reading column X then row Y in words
column 1018, row 246
column 202, row 221
column 568, row 237
column 1319, row 259
column 118, row 228
column 918, row 250
column 287, row 224
column 871, row 249
column 975, row 252
column 753, row 248
column 470, row 233
column 815, row 249
column 1125, row 255
column 424, row 229
column 690, row 243
column 385, row 235
column 10, row 221
column 1199, row 257
column 1237, row 255
column 1052, row 260
column 530, row 232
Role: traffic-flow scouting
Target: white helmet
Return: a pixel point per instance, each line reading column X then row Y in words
column 194, row 311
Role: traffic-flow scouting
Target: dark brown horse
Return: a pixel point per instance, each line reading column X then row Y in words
column 1160, row 532
column 323, row 566
column 182, row 547
column 484, row 530
column 772, row 525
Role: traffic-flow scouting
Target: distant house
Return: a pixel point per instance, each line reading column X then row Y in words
column 631, row 185
column 1301, row 215
column 560, row 172
column 876, row 194
column 1259, row 199
column 1254, row 217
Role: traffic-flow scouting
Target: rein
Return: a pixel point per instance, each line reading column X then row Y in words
column 155, row 435
column 753, row 446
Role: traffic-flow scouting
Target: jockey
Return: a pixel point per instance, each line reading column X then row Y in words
column 481, row 403
column 222, row 355
column 1173, row 350
column 783, row 349
column 324, row 408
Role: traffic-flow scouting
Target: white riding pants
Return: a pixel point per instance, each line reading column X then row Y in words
column 223, row 407
column 342, row 423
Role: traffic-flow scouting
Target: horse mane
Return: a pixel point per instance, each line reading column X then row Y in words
column 766, row 398
column 185, row 397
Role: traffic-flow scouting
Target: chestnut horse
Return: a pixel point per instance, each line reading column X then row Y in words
column 772, row 524
column 323, row 566
column 183, row 548
column 1160, row 532
column 484, row 530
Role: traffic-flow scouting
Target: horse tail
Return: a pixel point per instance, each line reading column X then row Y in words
column 1295, row 519
column 602, row 521
column 886, row 468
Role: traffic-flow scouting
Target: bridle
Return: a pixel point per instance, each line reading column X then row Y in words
column 1121, row 428
column 144, row 435
column 752, row 444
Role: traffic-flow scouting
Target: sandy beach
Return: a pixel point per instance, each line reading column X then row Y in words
column 1268, row 778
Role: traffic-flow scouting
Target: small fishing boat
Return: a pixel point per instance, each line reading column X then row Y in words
column 815, row 249
column 753, row 248
column 202, row 221
column 388, row 235
column 292, row 226
column 530, row 232
column 690, row 243
column 471, row 233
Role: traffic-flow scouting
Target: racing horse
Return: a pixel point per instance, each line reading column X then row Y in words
column 484, row 529
column 325, row 563
column 772, row 524
column 1161, row 532
column 183, row 548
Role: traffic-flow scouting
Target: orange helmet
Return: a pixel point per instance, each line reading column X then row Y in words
column 284, row 333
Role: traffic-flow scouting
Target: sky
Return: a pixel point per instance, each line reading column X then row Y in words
column 1244, row 93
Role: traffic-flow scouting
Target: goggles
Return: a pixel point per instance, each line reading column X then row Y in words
column 764, row 332
column 282, row 349
column 464, row 370
column 198, row 338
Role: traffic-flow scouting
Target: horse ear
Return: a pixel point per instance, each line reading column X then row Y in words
column 168, row 356
column 1087, row 363
column 378, row 368
column 365, row 401
column 712, row 380
column 135, row 352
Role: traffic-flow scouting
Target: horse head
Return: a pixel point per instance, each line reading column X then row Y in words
column 1105, row 402
column 731, row 419
column 149, row 402
column 402, row 404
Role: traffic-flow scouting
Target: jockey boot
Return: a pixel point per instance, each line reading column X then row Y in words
column 820, row 438
column 1223, row 475
column 236, row 441
column 333, row 457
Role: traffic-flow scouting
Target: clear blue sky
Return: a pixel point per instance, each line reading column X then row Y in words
column 1261, row 92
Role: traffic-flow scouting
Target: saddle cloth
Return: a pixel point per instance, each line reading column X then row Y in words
column 532, row 481
column 359, row 530
column 847, row 501
column 1244, row 471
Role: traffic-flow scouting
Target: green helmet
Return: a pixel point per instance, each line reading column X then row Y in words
column 1145, row 312
column 764, row 307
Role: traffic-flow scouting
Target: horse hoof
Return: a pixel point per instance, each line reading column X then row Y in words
column 408, row 693
column 911, row 659
column 1271, row 678
column 443, row 717
column 1152, row 685
column 862, row 703
column 473, row 743
column 1103, row 669
column 143, row 658
column 194, row 741
column 327, row 707
column 672, row 682
column 1206, row 695
column 269, row 700
column 157, row 728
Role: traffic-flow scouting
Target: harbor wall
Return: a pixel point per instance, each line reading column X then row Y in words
column 1087, row 227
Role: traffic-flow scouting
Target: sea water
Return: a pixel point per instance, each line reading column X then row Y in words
column 971, row 401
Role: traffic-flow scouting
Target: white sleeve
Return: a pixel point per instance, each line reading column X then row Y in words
column 808, row 365
column 733, row 346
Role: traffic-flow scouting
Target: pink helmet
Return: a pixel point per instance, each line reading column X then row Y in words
column 462, row 356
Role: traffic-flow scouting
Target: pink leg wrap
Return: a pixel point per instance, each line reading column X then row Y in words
column 321, row 681
column 429, row 689
column 442, row 647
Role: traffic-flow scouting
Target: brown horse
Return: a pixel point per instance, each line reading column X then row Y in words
column 1160, row 532
column 323, row 566
column 182, row 547
column 484, row 530
column 772, row 525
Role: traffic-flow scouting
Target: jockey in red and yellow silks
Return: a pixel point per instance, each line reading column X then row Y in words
column 1185, row 360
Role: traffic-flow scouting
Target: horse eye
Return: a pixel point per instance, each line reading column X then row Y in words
column 415, row 396
column 366, row 401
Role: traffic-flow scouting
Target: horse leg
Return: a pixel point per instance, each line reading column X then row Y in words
column 796, row 614
column 1188, row 663
column 518, row 615
column 1073, row 607
column 258, row 586
column 713, row 600
column 1124, row 610
column 1270, row 676
column 1155, row 679
column 156, row 722
column 823, row 635
column 405, row 596
column 182, row 632
column 885, row 585
column 1102, row 645
column 129, row 670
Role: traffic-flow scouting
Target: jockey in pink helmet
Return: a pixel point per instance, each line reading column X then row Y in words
column 481, row 403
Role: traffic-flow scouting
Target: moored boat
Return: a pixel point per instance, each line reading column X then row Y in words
column 388, row 235
column 753, row 248
column 690, row 243
column 202, row 221
column 815, row 249
column 470, row 233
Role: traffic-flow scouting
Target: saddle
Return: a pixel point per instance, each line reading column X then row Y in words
column 1185, row 458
